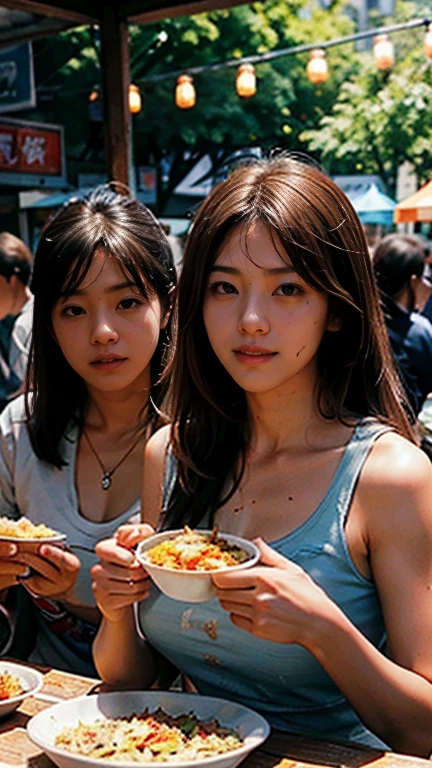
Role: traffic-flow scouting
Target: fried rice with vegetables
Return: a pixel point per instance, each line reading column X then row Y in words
column 149, row 737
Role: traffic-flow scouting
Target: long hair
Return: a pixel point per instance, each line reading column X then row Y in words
column 307, row 214
column 54, row 393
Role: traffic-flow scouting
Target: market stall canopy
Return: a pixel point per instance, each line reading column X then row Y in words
column 29, row 19
column 416, row 208
column 23, row 20
column 374, row 207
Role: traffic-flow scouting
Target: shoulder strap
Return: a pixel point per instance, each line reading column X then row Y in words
column 170, row 477
column 356, row 453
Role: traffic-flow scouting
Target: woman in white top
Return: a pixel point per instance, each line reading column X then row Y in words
column 71, row 447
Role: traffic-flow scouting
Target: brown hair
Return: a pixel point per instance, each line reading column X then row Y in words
column 15, row 258
column 308, row 215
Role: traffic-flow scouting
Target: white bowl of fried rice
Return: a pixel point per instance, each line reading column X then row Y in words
column 181, row 562
column 147, row 728
column 17, row 682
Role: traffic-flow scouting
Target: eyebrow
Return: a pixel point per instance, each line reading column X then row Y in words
column 274, row 271
column 111, row 289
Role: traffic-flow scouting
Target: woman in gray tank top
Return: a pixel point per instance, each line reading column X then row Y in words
column 71, row 447
column 289, row 426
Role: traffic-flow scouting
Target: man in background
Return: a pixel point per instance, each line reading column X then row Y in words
column 15, row 300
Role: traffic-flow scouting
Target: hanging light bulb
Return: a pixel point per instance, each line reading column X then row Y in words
column 134, row 99
column 317, row 68
column 383, row 52
column 185, row 96
column 428, row 43
column 246, row 81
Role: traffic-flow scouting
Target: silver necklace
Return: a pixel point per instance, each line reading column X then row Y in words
column 107, row 476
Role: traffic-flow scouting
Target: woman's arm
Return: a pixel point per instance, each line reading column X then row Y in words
column 121, row 657
column 392, row 695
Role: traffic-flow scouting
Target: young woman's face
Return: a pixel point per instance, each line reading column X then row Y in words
column 108, row 331
column 263, row 321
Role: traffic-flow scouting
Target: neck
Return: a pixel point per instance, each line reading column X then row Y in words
column 116, row 413
column 285, row 418
column 20, row 298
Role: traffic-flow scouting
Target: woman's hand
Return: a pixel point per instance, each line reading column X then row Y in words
column 119, row 580
column 12, row 566
column 276, row 601
column 55, row 570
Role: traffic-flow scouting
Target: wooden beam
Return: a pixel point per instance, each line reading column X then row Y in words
column 45, row 28
column 135, row 13
column 115, row 69
column 66, row 11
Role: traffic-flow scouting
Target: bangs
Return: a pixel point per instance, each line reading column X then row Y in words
column 133, row 267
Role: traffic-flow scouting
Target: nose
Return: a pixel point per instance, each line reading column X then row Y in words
column 103, row 331
column 253, row 317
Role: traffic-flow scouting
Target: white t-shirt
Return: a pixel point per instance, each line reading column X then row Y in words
column 45, row 494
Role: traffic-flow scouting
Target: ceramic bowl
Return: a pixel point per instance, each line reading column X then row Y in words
column 31, row 680
column 46, row 725
column 191, row 586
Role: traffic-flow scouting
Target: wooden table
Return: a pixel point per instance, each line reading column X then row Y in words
column 281, row 750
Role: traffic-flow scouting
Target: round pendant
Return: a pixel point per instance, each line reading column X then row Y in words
column 106, row 483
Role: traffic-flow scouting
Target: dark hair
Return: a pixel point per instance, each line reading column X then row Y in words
column 127, row 231
column 396, row 258
column 308, row 215
column 15, row 258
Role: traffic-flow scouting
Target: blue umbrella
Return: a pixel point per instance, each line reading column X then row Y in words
column 373, row 207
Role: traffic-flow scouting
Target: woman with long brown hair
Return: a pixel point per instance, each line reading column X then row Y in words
column 71, row 447
column 290, row 427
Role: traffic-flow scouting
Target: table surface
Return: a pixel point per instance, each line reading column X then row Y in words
column 281, row 750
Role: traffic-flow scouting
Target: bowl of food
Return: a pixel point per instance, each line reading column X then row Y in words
column 28, row 536
column 181, row 562
column 147, row 727
column 17, row 682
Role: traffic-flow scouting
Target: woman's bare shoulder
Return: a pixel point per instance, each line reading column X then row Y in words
column 396, row 482
column 153, row 475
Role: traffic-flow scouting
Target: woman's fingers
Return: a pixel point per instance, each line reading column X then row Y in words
column 112, row 572
column 109, row 551
column 130, row 535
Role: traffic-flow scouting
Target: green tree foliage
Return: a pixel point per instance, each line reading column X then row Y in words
column 381, row 119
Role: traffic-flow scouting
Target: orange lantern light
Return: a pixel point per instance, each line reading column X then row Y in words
column 134, row 99
column 317, row 68
column 246, row 81
column 185, row 95
column 383, row 52
column 428, row 43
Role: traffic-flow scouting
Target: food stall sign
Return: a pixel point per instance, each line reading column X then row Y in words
column 31, row 154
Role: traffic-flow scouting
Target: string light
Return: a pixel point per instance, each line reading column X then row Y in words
column 428, row 43
column 317, row 68
column 135, row 103
column 185, row 96
column 383, row 52
column 246, row 81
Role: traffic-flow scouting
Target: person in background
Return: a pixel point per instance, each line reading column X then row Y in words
column 399, row 265
column 15, row 300
column 71, row 447
column 288, row 428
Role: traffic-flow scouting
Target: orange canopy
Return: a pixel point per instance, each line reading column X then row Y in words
column 418, row 207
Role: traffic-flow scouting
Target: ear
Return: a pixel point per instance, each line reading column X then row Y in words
column 166, row 316
column 334, row 323
column 52, row 334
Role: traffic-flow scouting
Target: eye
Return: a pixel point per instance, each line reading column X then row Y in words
column 222, row 288
column 72, row 311
column 287, row 289
column 129, row 303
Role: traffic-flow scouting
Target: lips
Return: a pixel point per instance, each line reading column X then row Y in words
column 252, row 355
column 108, row 362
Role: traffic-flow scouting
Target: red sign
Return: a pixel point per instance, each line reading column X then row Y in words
column 30, row 150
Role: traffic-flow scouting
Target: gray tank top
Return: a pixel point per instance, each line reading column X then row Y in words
column 283, row 682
